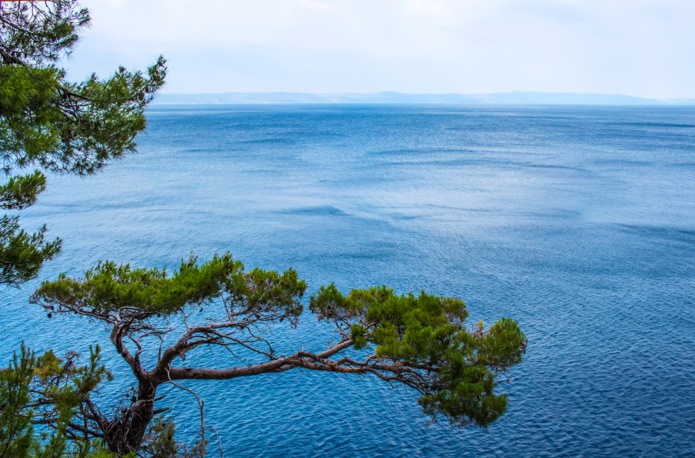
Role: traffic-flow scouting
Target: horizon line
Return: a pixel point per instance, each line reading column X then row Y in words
column 513, row 97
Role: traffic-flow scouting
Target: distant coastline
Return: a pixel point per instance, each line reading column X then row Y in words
column 501, row 98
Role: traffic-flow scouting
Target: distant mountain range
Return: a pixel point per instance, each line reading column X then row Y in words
column 501, row 98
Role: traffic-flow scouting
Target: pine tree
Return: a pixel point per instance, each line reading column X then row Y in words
column 419, row 341
column 49, row 124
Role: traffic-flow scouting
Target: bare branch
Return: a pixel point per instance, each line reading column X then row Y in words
column 277, row 365
column 117, row 333
column 201, row 404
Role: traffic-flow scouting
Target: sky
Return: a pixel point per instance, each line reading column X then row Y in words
column 643, row 48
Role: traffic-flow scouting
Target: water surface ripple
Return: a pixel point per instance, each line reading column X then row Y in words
column 578, row 222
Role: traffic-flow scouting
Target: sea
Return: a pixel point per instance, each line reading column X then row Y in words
column 577, row 221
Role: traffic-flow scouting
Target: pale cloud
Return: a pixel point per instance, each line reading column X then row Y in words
column 439, row 11
column 640, row 47
column 314, row 5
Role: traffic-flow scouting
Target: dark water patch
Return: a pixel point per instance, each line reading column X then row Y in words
column 419, row 152
column 663, row 233
column 683, row 165
column 263, row 141
column 475, row 160
column 623, row 162
column 324, row 210
column 652, row 124
column 378, row 254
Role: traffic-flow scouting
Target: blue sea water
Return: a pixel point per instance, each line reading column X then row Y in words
column 579, row 222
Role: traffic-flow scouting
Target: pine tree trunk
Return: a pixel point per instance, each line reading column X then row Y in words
column 126, row 431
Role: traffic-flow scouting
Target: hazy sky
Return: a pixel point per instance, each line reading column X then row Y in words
column 636, row 47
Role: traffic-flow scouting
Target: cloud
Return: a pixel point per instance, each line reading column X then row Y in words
column 314, row 5
column 642, row 47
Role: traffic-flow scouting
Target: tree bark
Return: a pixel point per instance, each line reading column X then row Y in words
column 126, row 431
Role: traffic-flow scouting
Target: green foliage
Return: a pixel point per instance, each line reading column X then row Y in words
column 53, row 124
column 39, row 35
column 22, row 191
column 50, row 391
column 453, row 367
column 111, row 287
column 22, row 254
column 16, row 430
column 162, row 443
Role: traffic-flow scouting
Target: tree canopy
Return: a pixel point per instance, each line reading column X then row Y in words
column 48, row 123
column 420, row 341
column 159, row 321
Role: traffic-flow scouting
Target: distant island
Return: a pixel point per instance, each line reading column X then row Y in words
column 501, row 98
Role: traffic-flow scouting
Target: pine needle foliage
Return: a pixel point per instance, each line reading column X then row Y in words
column 50, row 124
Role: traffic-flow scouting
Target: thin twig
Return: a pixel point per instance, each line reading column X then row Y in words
column 200, row 405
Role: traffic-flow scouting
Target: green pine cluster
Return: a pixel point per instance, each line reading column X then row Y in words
column 48, row 392
column 48, row 123
column 453, row 367
column 151, row 293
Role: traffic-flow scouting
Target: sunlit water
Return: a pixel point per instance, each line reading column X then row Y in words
column 578, row 222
